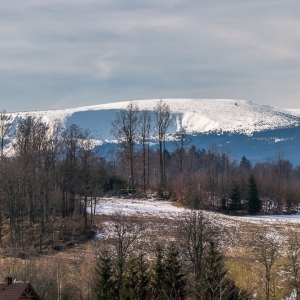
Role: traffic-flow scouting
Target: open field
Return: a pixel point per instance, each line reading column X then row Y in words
column 240, row 239
column 246, row 242
column 234, row 229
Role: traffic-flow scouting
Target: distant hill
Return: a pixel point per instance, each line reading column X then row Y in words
column 244, row 127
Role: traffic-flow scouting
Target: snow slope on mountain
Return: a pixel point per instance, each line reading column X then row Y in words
column 294, row 112
column 193, row 115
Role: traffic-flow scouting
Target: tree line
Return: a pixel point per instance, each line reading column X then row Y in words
column 200, row 178
column 55, row 173
column 49, row 177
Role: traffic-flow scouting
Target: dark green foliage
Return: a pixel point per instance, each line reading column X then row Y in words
column 174, row 283
column 223, row 203
column 157, row 275
column 215, row 274
column 136, row 279
column 235, row 197
column 245, row 163
column 161, row 193
column 105, row 283
column 164, row 279
column 217, row 284
column 167, row 279
column 254, row 202
column 115, row 183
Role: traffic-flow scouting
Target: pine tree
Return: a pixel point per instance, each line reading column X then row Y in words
column 235, row 197
column 136, row 279
column 223, row 203
column 174, row 283
column 254, row 202
column 104, row 287
column 217, row 284
column 157, row 275
column 245, row 163
column 215, row 273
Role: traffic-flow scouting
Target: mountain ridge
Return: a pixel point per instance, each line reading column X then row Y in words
column 194, row 115
column 248, row 128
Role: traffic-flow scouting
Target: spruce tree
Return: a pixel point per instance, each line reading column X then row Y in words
column 245, row 163
column 105, row 284
column 174, row 282
column 254, row 202
column 235, row 197
column 217, row 284
column 215, row 273
column 157, row 275
column 136, row 279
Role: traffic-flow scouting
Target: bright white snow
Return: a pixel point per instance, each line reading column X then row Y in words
column 165, row 209
column 193, row 115
column 109, row 206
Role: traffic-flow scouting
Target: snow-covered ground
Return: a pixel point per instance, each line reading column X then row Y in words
column 147, row 207
column 165, row 209
column 161, row 221
column 293, row 218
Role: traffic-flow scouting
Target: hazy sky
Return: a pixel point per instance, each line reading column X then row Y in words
column 68, row 53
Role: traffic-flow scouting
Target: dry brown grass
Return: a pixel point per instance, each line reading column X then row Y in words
column 78, row 254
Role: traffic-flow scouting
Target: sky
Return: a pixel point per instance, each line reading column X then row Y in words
column 67, row 53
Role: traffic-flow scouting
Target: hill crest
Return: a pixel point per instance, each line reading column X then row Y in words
column 193, row 115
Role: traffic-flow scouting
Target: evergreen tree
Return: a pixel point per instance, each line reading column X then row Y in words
column 217, row 284
column 223, row 203
column 174, row 283
column 254, row 202
column 245, row 163
column 235, row 197
column 136, row 279
column 157, row 275
column 104, row 287
column 215, row 273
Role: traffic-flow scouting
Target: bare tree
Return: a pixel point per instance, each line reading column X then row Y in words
column 145, row 126
column 266, row 247
column 125, row 129
column 213, row 172
column 293, row 268
column 88, row 173
column 72, row 138
column 163, row 121
column 181, row 144
column 5, row 129
column 278, row 170
column 196, row 233
column 125, row 234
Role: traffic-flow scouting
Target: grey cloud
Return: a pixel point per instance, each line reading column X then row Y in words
column 64, row 53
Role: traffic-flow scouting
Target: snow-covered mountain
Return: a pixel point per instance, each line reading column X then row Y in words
column 246, row 127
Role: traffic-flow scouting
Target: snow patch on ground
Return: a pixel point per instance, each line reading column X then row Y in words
column 109, row 206
column 166, row 209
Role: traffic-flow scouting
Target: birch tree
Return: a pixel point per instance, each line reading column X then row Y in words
column 163, row 121
column 125, row 128
column 145, row 126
